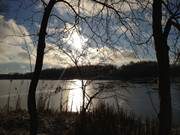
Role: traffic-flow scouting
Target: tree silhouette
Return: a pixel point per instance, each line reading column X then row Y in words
column 162, row 53
column 38, row 67
column 160, row 33
column 39, row 60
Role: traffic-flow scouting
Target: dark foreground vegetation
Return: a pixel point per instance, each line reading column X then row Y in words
column 101, row 121
column 144, row 69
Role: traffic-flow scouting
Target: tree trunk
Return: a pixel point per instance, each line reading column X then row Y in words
column 162, row 54
column 38, row 67
column 164, row 92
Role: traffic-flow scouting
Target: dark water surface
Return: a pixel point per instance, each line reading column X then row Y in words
column 141, row 98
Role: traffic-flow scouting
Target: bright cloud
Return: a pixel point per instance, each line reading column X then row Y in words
column 13, row 44
column 15, row 47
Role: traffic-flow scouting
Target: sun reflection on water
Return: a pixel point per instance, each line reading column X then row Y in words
column 75, row 96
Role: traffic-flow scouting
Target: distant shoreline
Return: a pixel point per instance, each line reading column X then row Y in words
column 143, row 71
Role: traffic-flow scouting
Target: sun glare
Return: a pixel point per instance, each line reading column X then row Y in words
column 76, row 40
column 75, row 96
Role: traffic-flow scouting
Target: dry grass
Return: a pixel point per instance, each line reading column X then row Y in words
column 103, row 120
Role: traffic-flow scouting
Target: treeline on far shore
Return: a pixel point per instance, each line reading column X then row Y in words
column 143, row 69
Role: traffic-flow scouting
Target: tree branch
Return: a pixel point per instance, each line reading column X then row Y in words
column 175, row 24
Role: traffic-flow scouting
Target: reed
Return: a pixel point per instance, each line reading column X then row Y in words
column 101, row 120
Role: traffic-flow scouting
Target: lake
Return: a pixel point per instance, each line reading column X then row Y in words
column 140, row 98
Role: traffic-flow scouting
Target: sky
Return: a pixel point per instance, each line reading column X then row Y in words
column 100, row 39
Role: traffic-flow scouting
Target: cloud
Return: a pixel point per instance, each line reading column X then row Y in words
column 17, row 50
column 14, row 49
column 14, row 67
column 107, row 55
column 88, row 56
column 12, row 41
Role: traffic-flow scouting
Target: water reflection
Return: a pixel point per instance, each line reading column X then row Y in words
column 75, row 95
column 67, row 95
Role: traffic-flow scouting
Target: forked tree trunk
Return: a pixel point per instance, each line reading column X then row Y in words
column 38, row 67
column 162, row 54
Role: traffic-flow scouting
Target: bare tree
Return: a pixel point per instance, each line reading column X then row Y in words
column 78, row 58
column 39, row 62
column 38, row 67
column 162, row 53
column 128, row 27
column 162, row 12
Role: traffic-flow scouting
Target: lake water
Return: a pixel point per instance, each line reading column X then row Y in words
column 140, row 98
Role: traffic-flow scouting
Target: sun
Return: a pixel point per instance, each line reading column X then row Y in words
column 76, row 40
